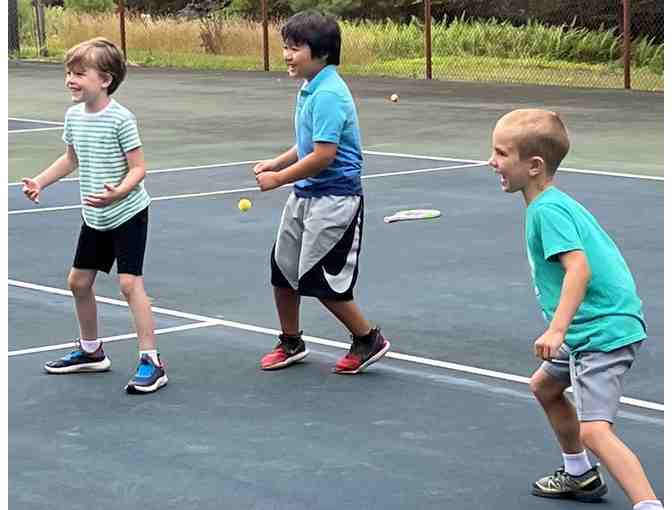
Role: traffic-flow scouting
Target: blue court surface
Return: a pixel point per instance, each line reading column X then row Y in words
column 445, row 421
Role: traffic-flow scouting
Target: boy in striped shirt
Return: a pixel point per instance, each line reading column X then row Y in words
column 103, row 142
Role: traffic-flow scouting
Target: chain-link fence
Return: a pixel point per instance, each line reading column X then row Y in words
column 580, row 43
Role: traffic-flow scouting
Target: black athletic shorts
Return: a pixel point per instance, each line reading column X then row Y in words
column 98, row 249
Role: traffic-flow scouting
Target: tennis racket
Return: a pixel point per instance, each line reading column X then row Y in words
column 413, row 214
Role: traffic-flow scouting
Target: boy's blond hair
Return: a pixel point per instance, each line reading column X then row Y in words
column 99, row 54
column 539, row 133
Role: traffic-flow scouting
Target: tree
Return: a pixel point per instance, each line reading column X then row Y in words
column 13, row 16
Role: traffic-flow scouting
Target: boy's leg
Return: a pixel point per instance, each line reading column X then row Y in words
column 577, row 478
column 550, row 393
column 89, row 356
column 287, row 303
column 368, row 344
column 621, row 462
column 80, row 282
column 150, row 374
column 291, row 347
column 133, row 289
column 350, row 316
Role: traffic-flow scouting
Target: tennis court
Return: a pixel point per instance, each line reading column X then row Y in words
column 446, row 420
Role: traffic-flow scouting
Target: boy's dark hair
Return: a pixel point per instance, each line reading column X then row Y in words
column 320, row 32
column 101, row 55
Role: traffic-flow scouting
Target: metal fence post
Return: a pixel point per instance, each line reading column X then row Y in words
column 264, row 29
column 428, row 39
column 122, row 26
column 626, row 43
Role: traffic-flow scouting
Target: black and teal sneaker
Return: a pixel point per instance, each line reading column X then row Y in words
column 148, row 377
column 80, row 361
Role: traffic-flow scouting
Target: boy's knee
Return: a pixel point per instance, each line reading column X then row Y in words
column 544, row 386
column 128, row 284
column 79, row 284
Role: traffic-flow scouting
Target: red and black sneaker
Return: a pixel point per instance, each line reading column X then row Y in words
column 364, row 351
column 288, row 351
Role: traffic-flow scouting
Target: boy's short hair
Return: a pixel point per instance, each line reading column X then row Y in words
column 539, row 133
column 99, row 54
column 319, row 31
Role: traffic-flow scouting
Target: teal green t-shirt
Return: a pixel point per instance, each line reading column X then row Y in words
column 610, row 315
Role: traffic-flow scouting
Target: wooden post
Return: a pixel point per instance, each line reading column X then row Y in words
column 40, row 26
column 626, row 43
column 122, row 26
column 264, row 27
column 428, row 39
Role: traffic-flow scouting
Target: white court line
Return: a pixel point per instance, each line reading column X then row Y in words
column 164, row 170
column 109, row 339
column 564, row 169
column 36, row 120
column 33, row 130
column 246, row 190
column 655, row 406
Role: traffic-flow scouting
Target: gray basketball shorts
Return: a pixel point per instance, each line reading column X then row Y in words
column 316, row 251
column 596, row 379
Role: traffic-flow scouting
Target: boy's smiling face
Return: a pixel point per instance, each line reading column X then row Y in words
column 514, row 173
column 86, row 85
column 300, row 61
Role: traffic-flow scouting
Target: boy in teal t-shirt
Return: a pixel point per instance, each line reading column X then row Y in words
column 589, row 298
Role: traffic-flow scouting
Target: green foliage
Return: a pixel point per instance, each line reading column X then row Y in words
column 90, row 6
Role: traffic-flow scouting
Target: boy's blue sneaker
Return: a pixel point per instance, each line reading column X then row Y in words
column 148, row 377
column 80, row 361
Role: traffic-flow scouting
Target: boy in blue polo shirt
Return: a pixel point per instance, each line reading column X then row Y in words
column 589, row 298
column 316, row 251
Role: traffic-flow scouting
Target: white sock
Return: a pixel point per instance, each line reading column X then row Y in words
column 90, row 346
column 649, row 504
column 154, row 356
column 576, row 463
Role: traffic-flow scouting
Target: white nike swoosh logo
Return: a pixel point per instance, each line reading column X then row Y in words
column 341, row 282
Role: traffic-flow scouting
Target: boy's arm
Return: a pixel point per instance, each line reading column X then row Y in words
column 574, row 284
column 63, row 166
column 136, row 173
column 321, row 157
column 279, row 163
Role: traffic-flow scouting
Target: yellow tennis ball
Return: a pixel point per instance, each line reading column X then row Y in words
column 244, row 204
column 394, row 98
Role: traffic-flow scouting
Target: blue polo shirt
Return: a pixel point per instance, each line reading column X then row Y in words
column 326, row 112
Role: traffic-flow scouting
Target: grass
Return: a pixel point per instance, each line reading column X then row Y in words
column 462, row 50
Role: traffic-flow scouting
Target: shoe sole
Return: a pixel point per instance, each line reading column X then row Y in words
column 136, row 390
column 99, row 366
column 589, row 497
column 368, row 362
column 289, row 361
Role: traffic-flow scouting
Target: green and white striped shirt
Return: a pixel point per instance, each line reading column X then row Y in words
column 101, row 141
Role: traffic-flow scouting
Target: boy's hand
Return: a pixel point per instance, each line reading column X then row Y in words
column 264, row 166
column 31, row 188
column 109, row 195
column 547, row 345
column 268, row 181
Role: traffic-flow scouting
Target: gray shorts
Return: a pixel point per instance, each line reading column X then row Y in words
column 316, row 251
column 596, row 379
